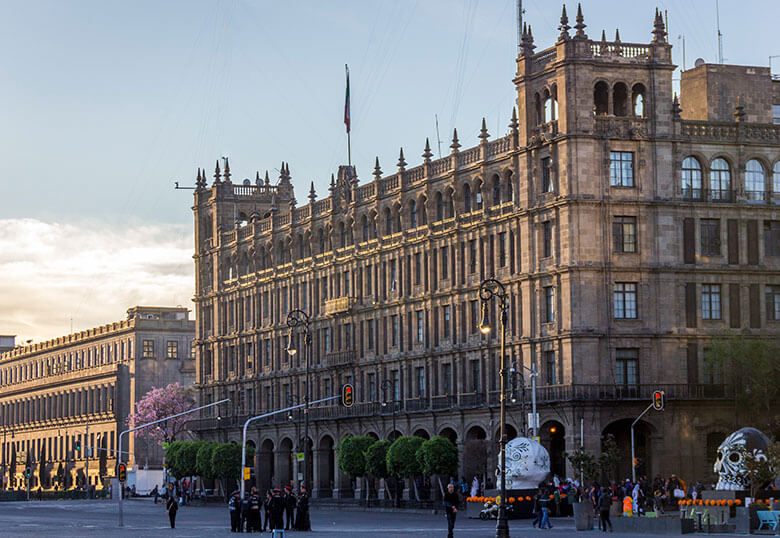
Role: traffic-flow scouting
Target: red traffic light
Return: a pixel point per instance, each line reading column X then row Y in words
column 658, row 400
column 347, row 395
column 121, row 472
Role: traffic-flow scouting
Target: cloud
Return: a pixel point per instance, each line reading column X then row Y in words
column 52, row 272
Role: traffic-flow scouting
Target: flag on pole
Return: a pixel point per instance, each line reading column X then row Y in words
column 346, row 103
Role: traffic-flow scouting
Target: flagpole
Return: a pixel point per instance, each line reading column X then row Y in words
column 348, row 120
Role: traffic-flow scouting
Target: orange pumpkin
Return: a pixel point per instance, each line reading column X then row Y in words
column 738, row 502
column 528, row 498
column 730, row 502
column 511, row 499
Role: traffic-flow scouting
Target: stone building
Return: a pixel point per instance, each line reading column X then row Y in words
column 61, row 397
column 627, row 230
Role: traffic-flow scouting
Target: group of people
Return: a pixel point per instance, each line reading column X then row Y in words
column 278, row 510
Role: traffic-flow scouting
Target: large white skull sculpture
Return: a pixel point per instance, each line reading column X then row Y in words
column 730, row 464
column 527, row 464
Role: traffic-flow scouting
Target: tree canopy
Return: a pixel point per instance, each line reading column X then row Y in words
column 752, row 367
column 402, row 459
column 376, row 459
column 438, row 455
column 203, row 464
column 159, row 403
column 351, row 454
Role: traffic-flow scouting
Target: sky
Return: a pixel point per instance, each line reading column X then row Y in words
column 105, row 104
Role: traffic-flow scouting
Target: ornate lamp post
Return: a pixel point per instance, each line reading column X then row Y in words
column 493, row 289
column 299, row 318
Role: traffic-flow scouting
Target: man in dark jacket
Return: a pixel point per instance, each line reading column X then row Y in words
column 172, row 508
column 605, row 503
column 451, row 502
column 277, row 510
column 245, row 514
column 267, row 509
column 302, row 521
column 234, row 507
column 253, row 521
column 289, row 505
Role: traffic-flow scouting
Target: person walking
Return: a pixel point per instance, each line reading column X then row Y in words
column 451, row 502
column 234, row 507
column 545, row 504
column 289, row 507
column 605, row 503
column 537, row 509
column 302, row 521
column 172, row 507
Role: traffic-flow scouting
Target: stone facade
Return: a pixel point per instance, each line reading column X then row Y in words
column 77, row 391
column 622, row 245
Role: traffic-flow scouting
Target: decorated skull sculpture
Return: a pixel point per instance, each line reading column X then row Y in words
column 527, row 463
column 730, row 464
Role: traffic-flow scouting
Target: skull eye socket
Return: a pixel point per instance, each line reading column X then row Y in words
column 734, row 457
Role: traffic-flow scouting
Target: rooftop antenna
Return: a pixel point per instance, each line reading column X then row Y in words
column 438, row 138
column 519, row 25
column 720, row 36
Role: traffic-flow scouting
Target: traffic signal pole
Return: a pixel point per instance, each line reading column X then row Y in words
column 658, row 404
column 142, row 426
column 258, row 417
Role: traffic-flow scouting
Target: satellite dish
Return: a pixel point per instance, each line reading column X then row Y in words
column 699, row 62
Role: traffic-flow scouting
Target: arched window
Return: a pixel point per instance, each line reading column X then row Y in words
column 601, row 99
column 365, row 228
column 620, row 99
column 691, row 178
column 423, row 212
column 450, row 207
column 496, row 191
column 439, row 207
column 388, row 222
column 554, row 104
column 509, row 191
column 755, row 180
column 412, row 214
column 776, row 179
column 538, row 109
column 548, row 107
column 638, row 100
column 397, row 215
column 321, row 241
column 301, row 247
column 720, row 180
column 373, row 226
column 467, row 198
column 479, row 196
column 342, row 235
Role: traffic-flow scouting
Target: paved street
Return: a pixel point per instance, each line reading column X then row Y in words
column 143, row 518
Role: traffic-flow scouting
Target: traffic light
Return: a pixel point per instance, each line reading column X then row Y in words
column 78, row 444
column 347, row 395
column 658, row 400
column 121, row 472
column 27, row 473
column 636, row 462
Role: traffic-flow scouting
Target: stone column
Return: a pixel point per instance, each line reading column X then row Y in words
column 316, row 484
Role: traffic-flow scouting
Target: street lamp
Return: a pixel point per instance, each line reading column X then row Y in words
column 488, row 290
column 386, row 385
column 299, row 318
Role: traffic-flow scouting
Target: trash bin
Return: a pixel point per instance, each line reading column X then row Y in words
column 583, row 516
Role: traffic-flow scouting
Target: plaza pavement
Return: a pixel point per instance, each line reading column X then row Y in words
column 143, row 518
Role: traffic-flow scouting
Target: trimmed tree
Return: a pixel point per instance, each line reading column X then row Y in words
column 226, row 460
column 585, row 463
column 609, row 458
column 438, row 456
column 376, row 459
column 761, row 468
column 172, row 450
column 203, row 465
column 402, row 459
column 352, row 455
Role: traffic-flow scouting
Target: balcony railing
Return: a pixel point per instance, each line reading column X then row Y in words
column 708, row 195
column 340, row 358
column 545, row 395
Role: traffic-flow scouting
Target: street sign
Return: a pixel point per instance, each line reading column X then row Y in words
column 121, row 472
column 300, row 477
column 347, row 395
column 300, row 456
column 533, row 421
column 658, row 400
column 247, row 473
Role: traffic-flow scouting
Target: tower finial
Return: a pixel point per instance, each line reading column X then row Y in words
column 257, row 178
column 483, row 132
column 377, row 169
column 564, row 26
column 455, row 144
column 659, row 28
column 527, row 41
column 513, row 124
column 312, row 194
column 217, row 173
column 401, row 161
column 267, row 179
column 427, row 154
column 580, row 26
column 226, row 174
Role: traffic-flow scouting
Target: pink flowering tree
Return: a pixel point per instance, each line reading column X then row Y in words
column 160, row 403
